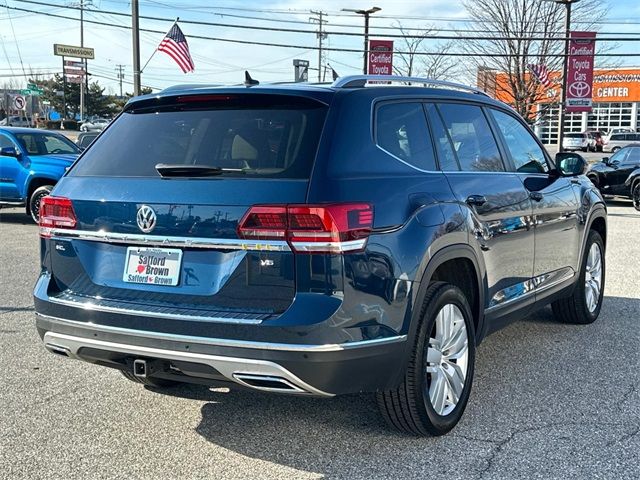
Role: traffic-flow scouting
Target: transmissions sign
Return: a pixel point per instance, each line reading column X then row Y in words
column 71, row 51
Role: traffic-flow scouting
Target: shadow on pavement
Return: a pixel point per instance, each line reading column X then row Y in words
column 15, row 216
column 332, row 436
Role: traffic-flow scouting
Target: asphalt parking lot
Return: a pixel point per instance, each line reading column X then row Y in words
column 549, row 401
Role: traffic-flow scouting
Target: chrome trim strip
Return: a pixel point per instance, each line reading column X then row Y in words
column 333, row 247
column 161, row 241
column 223, row 342
column 142, row 313
column 529, row 287
column 227, row 366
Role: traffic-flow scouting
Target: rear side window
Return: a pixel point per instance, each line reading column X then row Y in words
column 617, row 136
column 471, row 138
column 401, row 130
column 525, row 151
column 251, row 135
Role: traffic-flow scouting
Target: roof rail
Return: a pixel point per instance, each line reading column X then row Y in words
column 357, row 81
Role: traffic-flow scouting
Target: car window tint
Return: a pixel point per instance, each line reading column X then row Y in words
column 5, row 141
column 446, row 154
column 617, row 136
column 633, row 157
column 401, row 130
column 56, row 145
column 248, row 135
column 526, row 153
column 475, row 147
column 619, row 156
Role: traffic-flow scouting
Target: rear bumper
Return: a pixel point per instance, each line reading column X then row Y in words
column 307, row 369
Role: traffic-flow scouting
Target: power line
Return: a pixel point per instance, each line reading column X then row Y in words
column 351, row 34
column 332, row 49
column 16, row 42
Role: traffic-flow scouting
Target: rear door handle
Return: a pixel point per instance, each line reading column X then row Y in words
column 536, row 196
column 476, row 200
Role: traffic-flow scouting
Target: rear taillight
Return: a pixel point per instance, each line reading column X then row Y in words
column 56, row 212
column 310, row 228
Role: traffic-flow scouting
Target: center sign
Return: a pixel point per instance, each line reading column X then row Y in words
column 579, row 82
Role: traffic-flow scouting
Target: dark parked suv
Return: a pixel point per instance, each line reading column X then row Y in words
column 316, row 240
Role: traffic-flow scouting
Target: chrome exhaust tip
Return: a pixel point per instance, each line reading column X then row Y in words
column 58, row 349
column 268, row 383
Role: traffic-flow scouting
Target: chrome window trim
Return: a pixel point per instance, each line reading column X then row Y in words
column 142, row 313
column 223, row 342
column 168, row 241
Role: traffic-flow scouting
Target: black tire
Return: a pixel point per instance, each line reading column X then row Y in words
column 33, row 205
column 408, row 407
column 573, row 309
column 615, row 149
column 635, row 195
column 151, row 382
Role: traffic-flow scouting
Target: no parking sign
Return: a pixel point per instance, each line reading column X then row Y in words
column 19, row 102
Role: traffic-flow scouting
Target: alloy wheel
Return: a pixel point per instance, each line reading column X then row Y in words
column 447, row 359
column 593, row 277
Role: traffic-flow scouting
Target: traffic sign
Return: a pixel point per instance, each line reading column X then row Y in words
column 35, row 92
column 19, row 102
column 71, row 51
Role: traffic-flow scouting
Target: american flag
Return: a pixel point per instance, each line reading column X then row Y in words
column 175, row 45
column 541, row 72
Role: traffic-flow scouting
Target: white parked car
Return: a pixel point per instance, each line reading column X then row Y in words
column 576, row 141
column 98, row 124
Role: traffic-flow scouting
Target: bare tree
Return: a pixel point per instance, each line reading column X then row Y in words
column 535, row 29
column 413, row 61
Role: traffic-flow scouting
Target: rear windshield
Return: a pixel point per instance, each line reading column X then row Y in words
column 252, row 135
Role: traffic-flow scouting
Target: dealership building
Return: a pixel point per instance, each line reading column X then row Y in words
column 616, row 102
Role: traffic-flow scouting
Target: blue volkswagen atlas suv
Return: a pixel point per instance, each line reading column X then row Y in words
column 316, row 240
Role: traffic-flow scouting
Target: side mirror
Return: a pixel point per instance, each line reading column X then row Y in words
column 9, row 152
column 570, row 164
column 605, row 160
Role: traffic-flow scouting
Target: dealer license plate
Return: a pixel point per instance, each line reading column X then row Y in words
column 153, row 266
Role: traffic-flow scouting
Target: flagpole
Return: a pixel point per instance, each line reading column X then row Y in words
column 156, row 49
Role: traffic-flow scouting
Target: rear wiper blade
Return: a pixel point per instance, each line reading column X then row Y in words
column 182, row 170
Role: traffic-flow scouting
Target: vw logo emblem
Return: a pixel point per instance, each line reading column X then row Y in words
column 579, row 89
column 146, row 218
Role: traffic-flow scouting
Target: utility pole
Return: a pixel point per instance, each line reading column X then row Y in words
column 84, row 61
column 565, row 67
column 136, row 47
column 120, row 75
column 366, row 14
column 321, row 34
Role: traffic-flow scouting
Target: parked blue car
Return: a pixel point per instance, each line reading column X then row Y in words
column 31, row 163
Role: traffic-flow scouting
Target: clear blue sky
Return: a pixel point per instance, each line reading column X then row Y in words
column 221, row 62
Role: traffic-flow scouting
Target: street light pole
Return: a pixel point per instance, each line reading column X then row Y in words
column 366, row 14
column 565, row 68
column 136, row 47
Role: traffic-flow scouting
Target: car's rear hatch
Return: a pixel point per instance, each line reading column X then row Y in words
column 158, row 197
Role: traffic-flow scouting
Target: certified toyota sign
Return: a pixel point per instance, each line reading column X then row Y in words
column 580, row 71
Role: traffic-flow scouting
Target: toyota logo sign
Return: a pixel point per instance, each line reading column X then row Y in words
column 580, row 89
column 146, row 218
